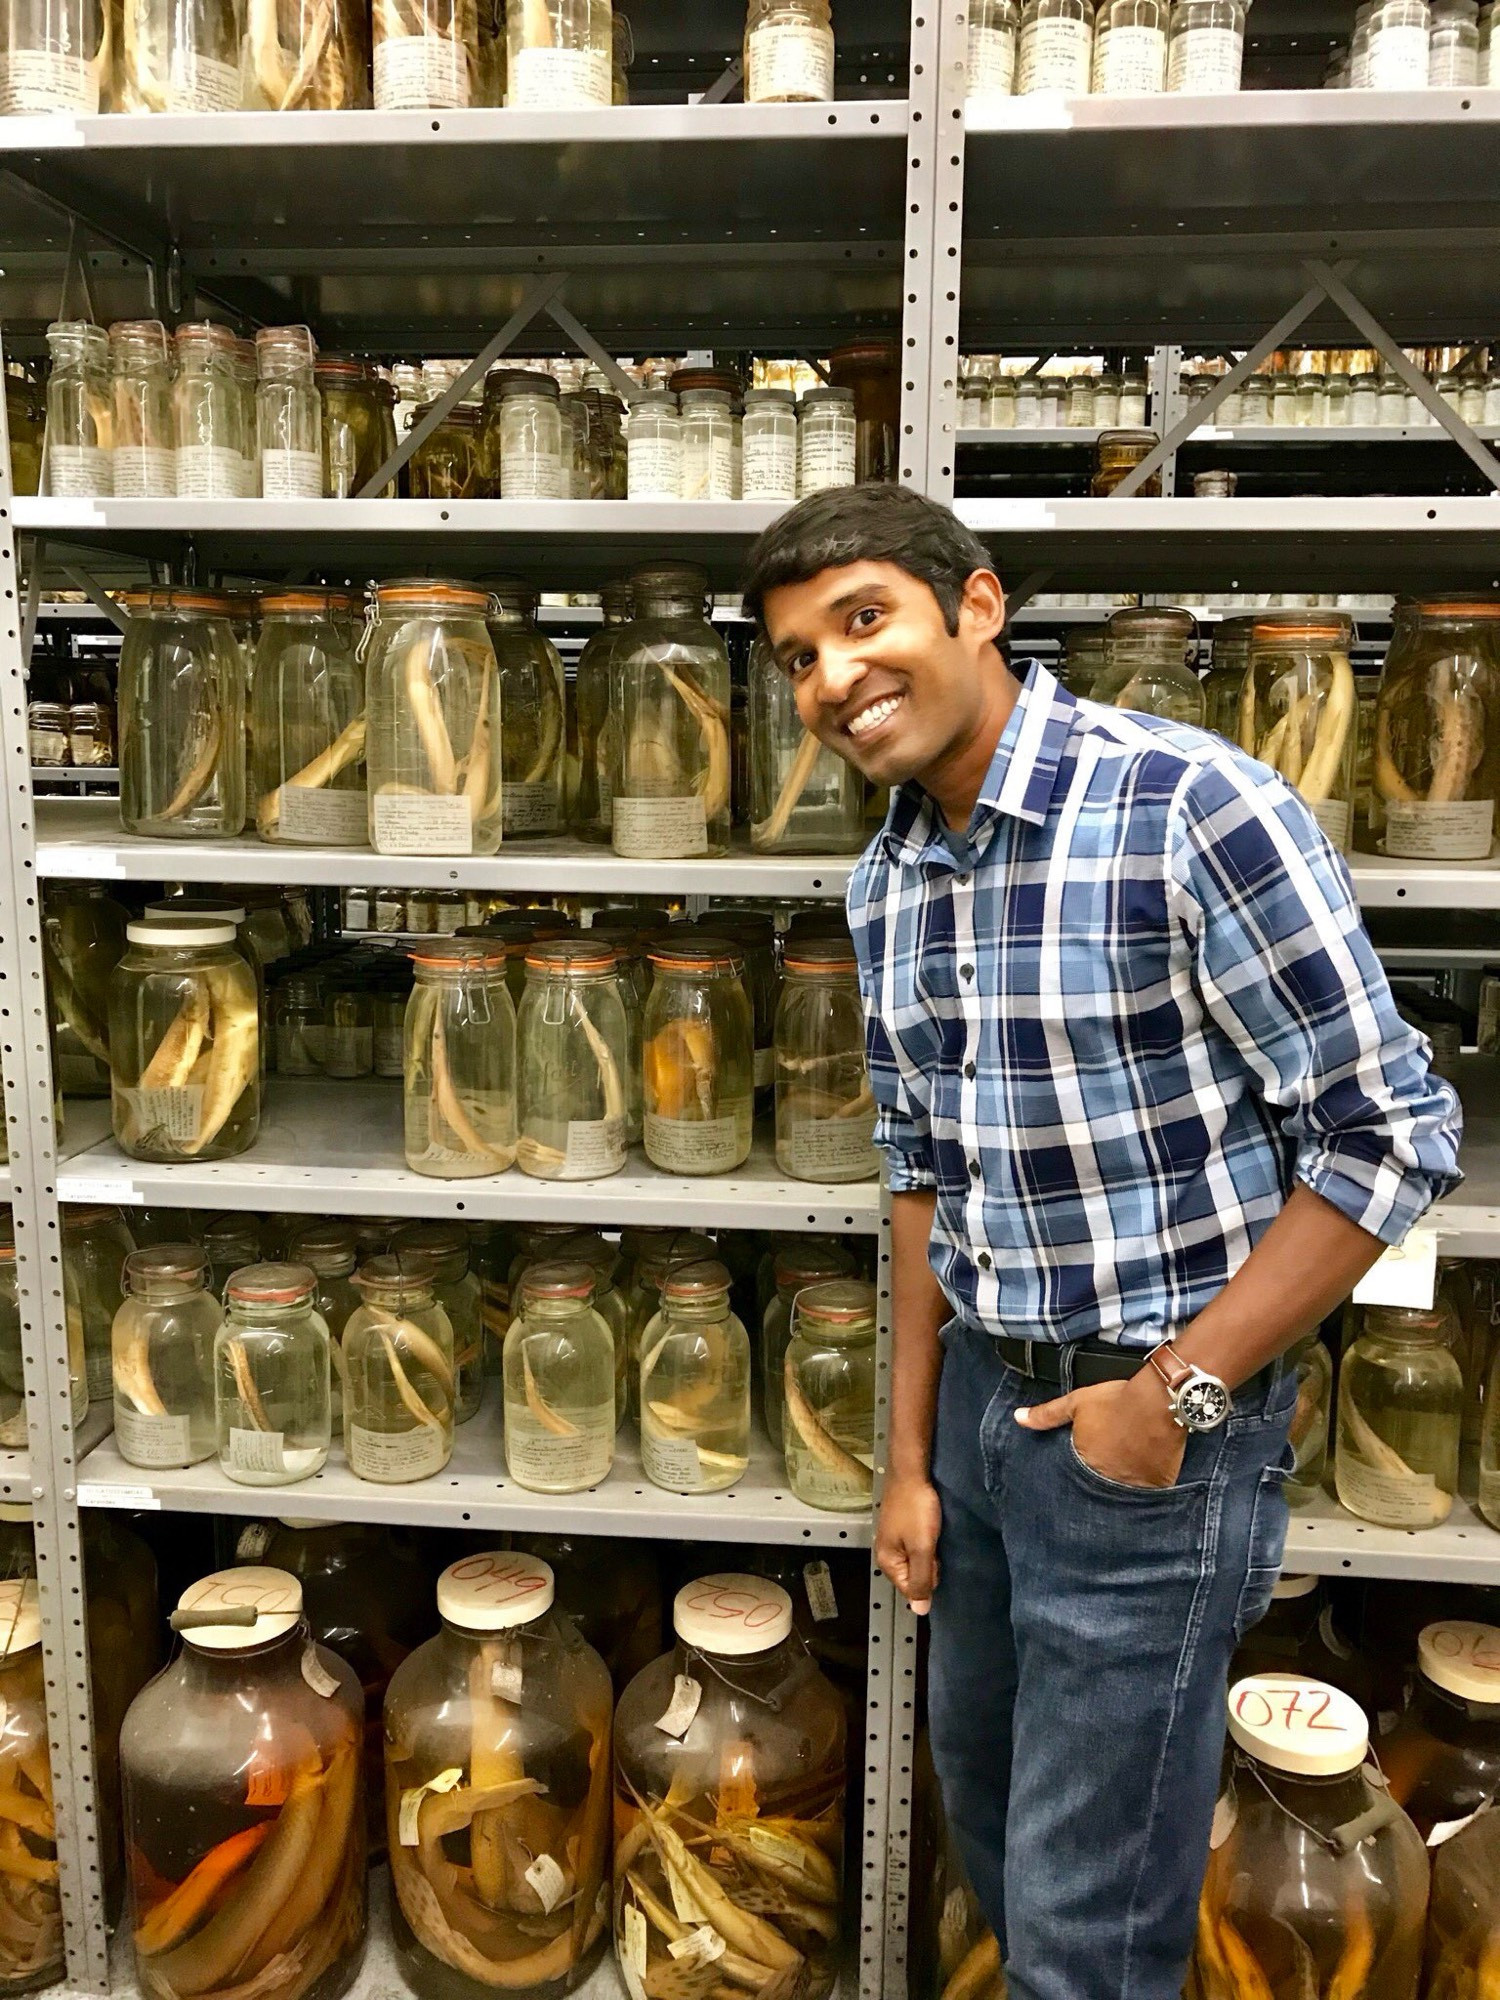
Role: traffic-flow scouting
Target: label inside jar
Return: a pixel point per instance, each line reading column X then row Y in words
column 789, row 61
column 575, row 1462
column 421, row 73
column 549, row 1882
column 1135, row 62
column 144, row 472
column 390, row 1054
column 253, row 1542
column 820, row 1149
column 208, row 472
column 702, row 1146
column 671, row 1462
column 173, row 1113
column 770, row 468
column 765, row 1068
column 1056, row 55
column 79, row 471
column 1206, row 61
column 992, row 61
column 1392, row 1500
column 256, row 1451
column 659, row 829
column 409, row 1812
column 153, row 1441
column 596, row 1147
column 559, row 79
column 531, row 475
column 1398, row 58
column 291, row 475
column 633, row 1956
column 701, row 1946
column 426, row 825
column 655, row 468
column 820, row 1488
column 826, row 457
column 39, row 80
column 202, row 83
column 318, row 816
column 1332, row 816
column 394, row 1456
column 530, row 808
column 1462, row 830
column 47, row 746
column 708, row 468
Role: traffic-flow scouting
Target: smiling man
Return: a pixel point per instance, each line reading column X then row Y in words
column 1148, row 1113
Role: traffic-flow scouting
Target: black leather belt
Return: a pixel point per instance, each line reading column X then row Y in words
column 1093, row 1361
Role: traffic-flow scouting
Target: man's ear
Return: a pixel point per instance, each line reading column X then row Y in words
column 982, row 609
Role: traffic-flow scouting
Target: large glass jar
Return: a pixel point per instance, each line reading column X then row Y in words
column 398, row 1374
column 707, row 445
column 698, row 1060
column 307, row 722
column 592, row 752
column 789, row 52
column 184, row 1036
column 427, row 56
column 31, row 1943
column 309, row 55
column 1118, row 453
column 829, row 1396
column 1320, row 1882
column 212, row 443
column 769, row 470
column 271, row 1377
column 654, row 447
column 825, row 1113
column 182, row 718
column 460, row 1085
column 1437, row 742
column 176, row 58
column 433, row 751
column 80, row 411
column 560, row 54
column 289, row 416
column 612, row 1591
column 1057, row 47
column 1309, row 1428
column 328, row 1251
column 96, row 1242
column 695, row 1385
column 355, row 445
column 827, row 441
column 1133, row 61
column 445, row 1248
column 13, row 1432
column 532, row 705
column 1299, row 713
column 737, row 1735
column 994, row 33
column 655, row 1255
column 1462, row 1914
column 141, row 393
column 572, row 1054
column 1400, row 1414
column 522, row 448
column 804, row 799
column 1208, row 47
column 446, row 465
column 1224, row 682
column 671, row 774
column 1400, row 33
column 54, row 56
column 244, row 1801
column 559, row 1367
column 796, row 1266
column 1442, row 1759
column 1146, row 666
column 83, row 940
column 163, row 1348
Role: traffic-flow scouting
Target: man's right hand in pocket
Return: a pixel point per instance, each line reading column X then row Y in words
column 906, row 1539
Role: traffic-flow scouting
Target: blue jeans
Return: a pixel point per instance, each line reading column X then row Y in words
column 1081, row 1636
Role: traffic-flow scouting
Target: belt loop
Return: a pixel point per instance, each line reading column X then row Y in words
column 1065, row 1366
column 1030, row 1368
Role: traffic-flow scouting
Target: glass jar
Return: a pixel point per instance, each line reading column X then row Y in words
column 433, row 748
column 633, row 976
column 695, row 1385
column 83, row 940
column 1437, row 741
column 608, row 477
column 522, row 450
column 1400, row 35
column 297, row 1026
column 825, row 1113
column 249, row 1744
column 1208, row 47
column 163, row 1351
column 871, row 369
column 271, row 1377
column 994, row 32
column 789, row 52
column 1317, row 1869
column 707, row 445
column 795, row 1266
column 658, row 1252
column 460, row 1068
column 804, row 798
column 654, row 447
column 698, row 1060
column 175, row 58
column 427, row 58
column 572, row 1044
column 511, row 1699
column 307, row 58
column 328, row 1251
column 289, row 416
column 560, row 54
column 54, row 56
column 1057, row 47
column 143, row 464
column 573, row 413
column 1134, row 59
column 1364, row 392
column 1486, row 32
column 827, row 441
column 307, row 722
column 31, row 1949
column 91, row 735
column 1488, row 1365
column 1298, row 713
column 13, row 1430
column 96, row 1242
column 1461, row 1914
column 444, row 1247
column 671, row 776
column 1442, row 1759
column 1083, row 655
column 80, row 411
column 1393, row 404
column 591, row 757
column 770, row 444
column 448, row 463
column 532, row 706
column 229, row 1242
column 1224, row 682
column 182, row 718
column 1116, row 456
column 1147, row 655
column 736, row 1730
column 184, row 1037
column 47, row 733
column 753, row 935
column 398, row 1374
column 212, row 445
column 390, row 1024
column 829, row 1396
column 559, row 1371
column 1400, row 1412
column 1309, row 1427
column 1002, row 416
column 353, row 426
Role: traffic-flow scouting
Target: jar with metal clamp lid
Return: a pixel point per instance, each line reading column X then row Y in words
column 825, row 1113
column 658, row 1252
column 695, row 1385
column 1437, row 729
column 289, row 416
column 398, row 1374
column 163, row 1351
column 144, row 467
column 460, row 1087
column 1299, row 713
column 593, row 720
column 1442, row 1759
column 182, row 718
column 1147, row 655
column 698, row 1059
column 271, row 1377
column 829, row 1396
column 789, row 52
column 307, row 722
column 31, row 1942
column 804, row 799
column 448, row 463
column 532, row 704
column 559, row 1383
column 80, row 411
column 794, row 1268
column 445, row 1247
column 96, row 1242
column 1400, row 1415
column 213, row 420
column 572, row 1051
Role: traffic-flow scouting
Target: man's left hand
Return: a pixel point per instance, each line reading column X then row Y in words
column 1122, row 1430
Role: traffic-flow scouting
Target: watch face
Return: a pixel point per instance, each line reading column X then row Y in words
column 1203, row 1403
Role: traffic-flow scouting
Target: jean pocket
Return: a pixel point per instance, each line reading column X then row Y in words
column 1120, row 1489
column 1268, row 1519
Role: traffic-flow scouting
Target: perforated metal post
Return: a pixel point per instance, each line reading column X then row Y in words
column 934, row 245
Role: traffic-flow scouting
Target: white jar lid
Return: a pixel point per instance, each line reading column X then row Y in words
column 274, row 1593
column 20, row 1616
column 1294, row 1586
column 495, row 1591
column 732, row 1615
column 185, row 909
column 1462, row 1658
column 180, row 933
column 301, row 1522
column 1297, row 1725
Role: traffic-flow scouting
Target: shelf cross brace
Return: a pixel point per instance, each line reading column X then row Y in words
column 31, row 606
column 1018, row 599
column 724, row 86
column 602, row 359
column 104, row 605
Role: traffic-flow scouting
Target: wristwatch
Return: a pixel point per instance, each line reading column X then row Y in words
column 1198, row 1401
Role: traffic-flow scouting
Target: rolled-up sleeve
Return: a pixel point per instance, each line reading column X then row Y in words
column 901, row 1128
column 1283, row 965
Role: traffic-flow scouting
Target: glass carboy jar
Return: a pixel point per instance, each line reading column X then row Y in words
column 307, row 722
column 444, row 1246
column 83, row 940
column 1299, row 713
column 1400, row 33
column 769, row 470
column 789, row 52
column 994, row 33
column 804, row 799
column 498, row 1732
column 532, row 699
column 460, row 1064
column 695, row 1385
column 1437, row 730
column 1321, row 1877
column 829, row 1396
column 184, row 1037
column 80, row 411
column 54, row 56
column 698, row 1059
column 1057, row 47
column 163, row 1348
column 427, row 57
column 31, row 1944
column 1207, row 52
column 141, row 393
column 96, row 1243
column 433, row 751
column 559, row 1367
column 1309, row 1427
column 1400, row 1413
column 289, row 415
column 182, row 718
column 671, row 776
column 653, row 447
column 1442, row 1759
column 827, row 441
column 271, row 1377
column 1146, row 666
column 213, row 444
column 825, row 1113
column 572, row 1053
column 794, row 1267
column 1134, row 58
column 595, row 725
column 244, row 1800
column 398, row 1374
column 735, row 1731
column 560, row 54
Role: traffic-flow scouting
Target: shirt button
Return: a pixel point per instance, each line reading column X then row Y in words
column 984, row 1260
column 962, row 881
column 970, row 1071
column 974, row 1168
column 967, row 971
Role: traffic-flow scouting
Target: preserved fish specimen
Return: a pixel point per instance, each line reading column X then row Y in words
column 1399, row 1418
column 698, row 1060
column 624, row 937
column 657, row 1253
column 83, row 940
column 825, row 1112
column 521, row 445
column 789, row 52
column 695, row 1385
column 587, row 1246
column 96, row 1243
column 80, row 411
column 1298, row 713
column 179, row 58
column 560, row 54
column 1309, row 1429
column 460, row 1089
column 356, row 410
column 594, row 719
column 497, row 1739
column 163, row 1347
column 572, row 1045
column 671, row 779
column 559, row 1383
column 307, row 722
column 1146, row 668
column 398, row 1374
column 1442, row 1759
column 184, row 1043
column 31, row 1934
column 803, row 798
column 445, row 1248
column 244, row 1802
column 182, row 718
column 1437, row 729
column 141, row 389
column 271, row 1377
column 426, row 54
column 799, row 1264
column 829, row 1386
column 446, row 464
column 531, row 700
column 309, row 55
column 213, row 413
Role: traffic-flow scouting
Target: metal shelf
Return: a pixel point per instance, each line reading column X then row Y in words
column 1323, row 1540
column 1063, row 436
column 1384, row 884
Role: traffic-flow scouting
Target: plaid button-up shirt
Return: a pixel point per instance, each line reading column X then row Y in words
column 1112, row 1022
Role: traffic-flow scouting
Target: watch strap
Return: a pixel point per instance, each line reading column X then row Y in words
column 1170, row 1366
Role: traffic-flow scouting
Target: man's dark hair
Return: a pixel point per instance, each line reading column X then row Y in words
column 851, row 524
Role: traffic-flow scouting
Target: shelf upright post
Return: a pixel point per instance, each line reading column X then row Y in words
column 25, row 1054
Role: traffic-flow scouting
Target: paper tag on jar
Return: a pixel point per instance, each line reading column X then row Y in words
column 253, row 1542
column 1448, row 830
column 596, row 1147
column 317, row 1675
column 549, row 1881
column 678, row 1719
column 175, row 1111
column 152, row 1441
column 659, row 829
column 700, row 1947
column 821, row 1600
column 1226, row 1812
column 1404, row 1275
column 427, row 825
column 693, row 1145
column 1445, row 1829
column 506, row 1678
column 633, row 1957
column 409, row 1816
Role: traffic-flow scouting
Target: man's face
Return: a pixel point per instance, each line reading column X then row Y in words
column 876, row 673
